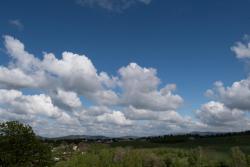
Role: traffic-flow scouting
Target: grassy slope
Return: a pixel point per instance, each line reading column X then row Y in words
column 215, row 147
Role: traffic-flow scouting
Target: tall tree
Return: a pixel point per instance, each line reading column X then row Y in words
column 19, row 147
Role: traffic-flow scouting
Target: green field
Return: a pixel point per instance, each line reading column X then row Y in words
column 175, row 151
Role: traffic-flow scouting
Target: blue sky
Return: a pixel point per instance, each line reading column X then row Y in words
column 188, row 42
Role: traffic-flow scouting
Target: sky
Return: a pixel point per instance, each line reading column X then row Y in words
column 125, row 67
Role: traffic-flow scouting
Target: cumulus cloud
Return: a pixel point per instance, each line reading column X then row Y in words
column 218, row 117
column 96, row 110
column 34, row 109
column 112, row 5
column 140, row 114
column 15, row 101
column 228, row 110
column 71, row 73
column 22, row 58
column 24, row 67
column 169, row 116
column 140, row 89
column 116, row 117
column 7, row 75
column 67, row 98
column 230, row 104
column 70, row 94
column 242, row 50
column 68, row 91
column 235, row 96
column 77, row 73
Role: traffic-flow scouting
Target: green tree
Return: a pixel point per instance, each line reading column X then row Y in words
column 19, row 147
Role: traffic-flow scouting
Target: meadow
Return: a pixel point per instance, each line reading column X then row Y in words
column 166, row 151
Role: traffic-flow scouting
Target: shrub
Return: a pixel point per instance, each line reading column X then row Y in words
column 238, row 158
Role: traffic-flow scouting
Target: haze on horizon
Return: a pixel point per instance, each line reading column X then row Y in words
column 125, row 67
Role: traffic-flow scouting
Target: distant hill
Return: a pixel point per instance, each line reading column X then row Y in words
column 74, row 137
column 206, row 133
column 99, row 137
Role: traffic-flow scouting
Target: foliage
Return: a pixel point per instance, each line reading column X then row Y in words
column 19, row 147
column 238, row 158
column 156, row 157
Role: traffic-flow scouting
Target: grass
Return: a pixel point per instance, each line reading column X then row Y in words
column 217, row 148
column 201, row 151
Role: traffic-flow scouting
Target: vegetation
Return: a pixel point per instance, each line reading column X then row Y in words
column 213, row 150
column 153, row 157
column 19, row 147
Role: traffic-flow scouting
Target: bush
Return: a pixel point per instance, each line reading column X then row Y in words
column 238, row 158
column 248, row 160
column 157, row 157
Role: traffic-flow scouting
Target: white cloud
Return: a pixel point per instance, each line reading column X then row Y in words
column 32, row 109
column 96, row 110
column 116, row 117
column 9, row 95
column 241, row 50
column 142, row 114
column 228, row 110
column 22, row 59
column 131, row 99
column 9, row 77
column 68, row 98
column 112, row 5
column 108, row 81
column 24, row 67
column 216, row 114
column 235, row 96
column 67, row 119
column 104, row 97
column 15, row 101
column 71, row 73
column 76, row 73
column 140, row 89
